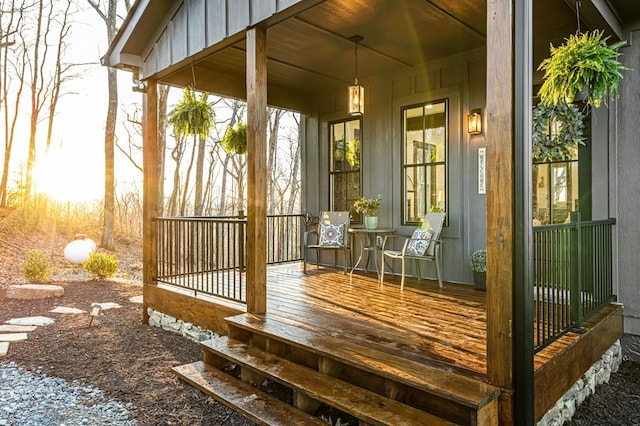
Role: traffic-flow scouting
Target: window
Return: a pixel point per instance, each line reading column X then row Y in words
column 344, row 143
column 425, row 138
column 555, row 190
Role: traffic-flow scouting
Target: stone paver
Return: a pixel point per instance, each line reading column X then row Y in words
column 16, row 329
column 40, row 320
column 7, row 328
column 67, row 310
column 136, row 299
column 107, row 305
column 34, row 291
column 13, row 337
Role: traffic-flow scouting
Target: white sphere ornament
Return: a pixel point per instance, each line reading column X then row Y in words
column 78, row 251
column 92, row 244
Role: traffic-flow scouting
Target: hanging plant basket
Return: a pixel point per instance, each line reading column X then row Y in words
column 583, row 62
column 557, row 131
column 235, row 139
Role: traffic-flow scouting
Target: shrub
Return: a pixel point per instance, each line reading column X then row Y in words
column 101, row 265
column 36, row 268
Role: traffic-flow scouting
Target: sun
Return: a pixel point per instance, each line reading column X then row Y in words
column 69, row 175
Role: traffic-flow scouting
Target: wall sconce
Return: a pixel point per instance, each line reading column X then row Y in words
column 356, row 91
column 474, row 122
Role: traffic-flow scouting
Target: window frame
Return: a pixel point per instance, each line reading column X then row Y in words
column 355, row 218
column 426, row 165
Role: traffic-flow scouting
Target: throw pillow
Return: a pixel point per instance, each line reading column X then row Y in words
column 332, row 235
column 419, row 242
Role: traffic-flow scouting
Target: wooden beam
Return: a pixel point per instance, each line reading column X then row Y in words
column 257, row 170
column 204, row 313
column 509, row 233
column 150, row 185
column 499, row 193
column 560, row 373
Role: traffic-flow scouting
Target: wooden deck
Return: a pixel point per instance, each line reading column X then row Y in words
column 440, row 327
column 444, row 328
column 438, row 334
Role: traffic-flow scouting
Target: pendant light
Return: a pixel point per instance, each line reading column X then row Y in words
column 356, row 91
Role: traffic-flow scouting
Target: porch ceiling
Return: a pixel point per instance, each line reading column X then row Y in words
column 311, row 52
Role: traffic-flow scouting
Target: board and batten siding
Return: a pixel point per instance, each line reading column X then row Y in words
column 461, row 79
column 625, row 197
column 193, row 26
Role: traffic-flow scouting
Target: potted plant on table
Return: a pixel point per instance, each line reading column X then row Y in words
column 478, row 264
column 369, row 207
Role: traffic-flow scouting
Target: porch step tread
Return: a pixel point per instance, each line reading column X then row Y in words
column 451, row 386
column 363, row 404
column 259, row 406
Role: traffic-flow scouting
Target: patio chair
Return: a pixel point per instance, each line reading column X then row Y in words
column 424, row 244
column 331, row 233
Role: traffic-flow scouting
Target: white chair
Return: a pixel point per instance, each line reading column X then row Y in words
column 424, row 244
column 331, row 233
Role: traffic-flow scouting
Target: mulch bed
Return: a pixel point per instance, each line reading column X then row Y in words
column 132, row 361
column 118, row 354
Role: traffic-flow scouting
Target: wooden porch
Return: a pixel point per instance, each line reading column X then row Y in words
column 435, row 336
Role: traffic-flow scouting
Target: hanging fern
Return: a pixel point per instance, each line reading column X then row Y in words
column 584, row 61
column 191, row 116
column 235, row 139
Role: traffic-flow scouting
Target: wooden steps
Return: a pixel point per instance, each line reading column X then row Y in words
column 448, row 395
column 322, row 367
column 242, row 397
column 312, row 387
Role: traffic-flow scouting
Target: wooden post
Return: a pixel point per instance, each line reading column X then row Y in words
column 509, row 234
column 256, row 170
column 150, row 187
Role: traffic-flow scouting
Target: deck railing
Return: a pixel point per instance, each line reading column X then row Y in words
column 573, row 276
column 572, row 263
column 207, row 254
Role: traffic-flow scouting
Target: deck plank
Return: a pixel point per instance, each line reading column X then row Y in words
column 364, row 404
column 461, row 389
column 423, row 322
column 250, row 401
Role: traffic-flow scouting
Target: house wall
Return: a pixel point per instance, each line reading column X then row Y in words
column 625, row 178
column 461, row 79
column 192, row 26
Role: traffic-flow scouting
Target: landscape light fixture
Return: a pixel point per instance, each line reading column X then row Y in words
column 356, row 91
column 474, row 122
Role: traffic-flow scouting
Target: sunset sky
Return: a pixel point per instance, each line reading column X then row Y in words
column 73, row 169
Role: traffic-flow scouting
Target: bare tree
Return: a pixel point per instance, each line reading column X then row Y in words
column 13, row 64
column 133, row 149
column 61, row 72
column 272, row 146
column 163, row 96
column 176, row 155
column 294, row 179
column 108, row 13
column 35, row 63
column 45, row 77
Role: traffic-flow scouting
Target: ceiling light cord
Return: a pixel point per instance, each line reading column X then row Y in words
column 356, row 61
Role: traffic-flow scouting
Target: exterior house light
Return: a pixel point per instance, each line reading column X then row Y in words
column 474, row 122
column 356, row 91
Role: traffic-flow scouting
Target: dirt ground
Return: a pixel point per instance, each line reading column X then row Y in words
column 132, row 361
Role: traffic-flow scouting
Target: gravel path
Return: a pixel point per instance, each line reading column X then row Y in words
column 34, row 399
